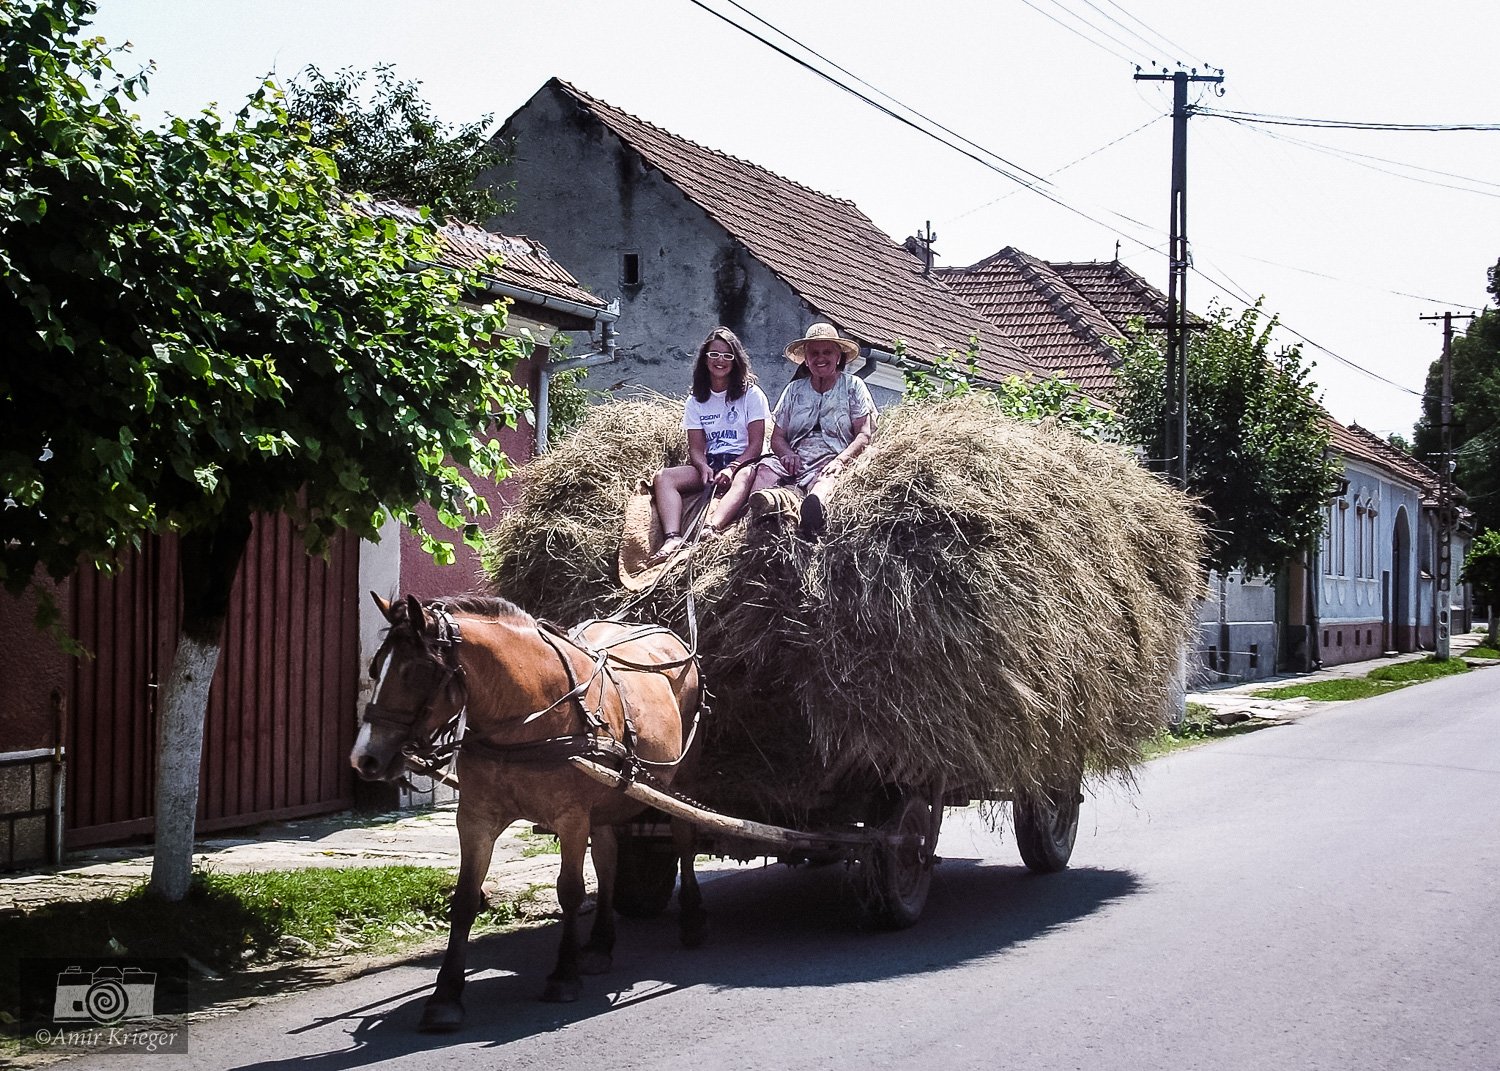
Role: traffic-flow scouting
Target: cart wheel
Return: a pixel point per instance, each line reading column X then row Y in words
column 645, row 875
column 1046, row 826
column 900, row 875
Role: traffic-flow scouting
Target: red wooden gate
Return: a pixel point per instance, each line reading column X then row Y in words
column 281, row 714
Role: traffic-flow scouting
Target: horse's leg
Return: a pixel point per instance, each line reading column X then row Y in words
column 692, row 920
column 564, row 983
column 476, row 845
column 599, row 952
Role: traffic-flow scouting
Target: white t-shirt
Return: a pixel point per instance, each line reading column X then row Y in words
column 725, row 422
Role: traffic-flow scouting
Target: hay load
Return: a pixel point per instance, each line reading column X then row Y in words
column 990, row 601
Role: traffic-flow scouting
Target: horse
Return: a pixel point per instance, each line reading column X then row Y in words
column 515, row 698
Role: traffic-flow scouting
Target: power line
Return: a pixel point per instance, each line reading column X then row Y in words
column 1342, row 124
column 1080, row 33
column 1071, row 163
column 1149, row 45
column 1248, row 301
column 799, row 61
column 1033, row 187
column 1182, row 53
column 1357, row 158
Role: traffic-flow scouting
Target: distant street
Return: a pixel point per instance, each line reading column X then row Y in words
column 1322, row 894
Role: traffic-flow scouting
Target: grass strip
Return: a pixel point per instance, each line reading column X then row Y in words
column 229, row 922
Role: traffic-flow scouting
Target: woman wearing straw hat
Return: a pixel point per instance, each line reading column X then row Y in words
column 725, row 418
column 824, row 420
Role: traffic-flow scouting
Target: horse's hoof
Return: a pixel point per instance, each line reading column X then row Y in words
column 441, row 1017
column 561, row 992
column 595, row 962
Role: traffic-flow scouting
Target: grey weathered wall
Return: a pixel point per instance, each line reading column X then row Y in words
column 588, row 198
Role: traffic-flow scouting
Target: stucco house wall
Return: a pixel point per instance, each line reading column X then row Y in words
column 690, row 274
column 1368, row 588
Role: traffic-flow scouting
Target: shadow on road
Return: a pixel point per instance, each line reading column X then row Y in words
column 775, row 928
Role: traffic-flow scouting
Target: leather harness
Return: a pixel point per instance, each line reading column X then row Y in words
column 597, row 741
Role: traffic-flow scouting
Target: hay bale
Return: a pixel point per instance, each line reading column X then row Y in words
column 991, row 600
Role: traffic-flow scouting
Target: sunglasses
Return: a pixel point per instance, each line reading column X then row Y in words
column 721, row 356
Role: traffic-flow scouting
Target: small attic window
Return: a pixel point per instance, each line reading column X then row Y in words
column 630, row 269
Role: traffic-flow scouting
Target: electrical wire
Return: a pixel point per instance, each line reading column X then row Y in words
column 1071, row 163
column 1241, row 296
column 1232, row 290
column 1080, row 33
column 1182, row 53
column 1357, row 159
column 1342, row 124
column 1008, row 170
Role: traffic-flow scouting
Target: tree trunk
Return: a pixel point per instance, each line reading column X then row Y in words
column 209, row 561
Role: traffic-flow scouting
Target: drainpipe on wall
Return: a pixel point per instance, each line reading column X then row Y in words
column 603, row 318
column 544, row 385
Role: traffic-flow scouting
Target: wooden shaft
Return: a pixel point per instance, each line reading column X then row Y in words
column 712, row 821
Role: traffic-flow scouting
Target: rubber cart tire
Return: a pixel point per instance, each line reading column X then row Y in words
column 1046, row 826
column 899, row 876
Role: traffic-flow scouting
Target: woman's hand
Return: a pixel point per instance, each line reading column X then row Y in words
column 792, row 462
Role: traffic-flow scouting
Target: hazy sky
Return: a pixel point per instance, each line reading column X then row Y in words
column 1351, row 236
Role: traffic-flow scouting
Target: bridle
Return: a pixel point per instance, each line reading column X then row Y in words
column 596, row 741
column 445, row 669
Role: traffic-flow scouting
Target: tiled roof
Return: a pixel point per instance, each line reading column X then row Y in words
column 1364, row 445
column 1044, row 313
column 824, row 248
column 1118, row 292
column 1066, row 314
column 525, row 263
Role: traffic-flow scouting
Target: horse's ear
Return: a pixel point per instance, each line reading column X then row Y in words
column 415, row 616
column 382, row 605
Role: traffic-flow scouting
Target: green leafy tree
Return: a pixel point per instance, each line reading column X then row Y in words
column 1257, row 441
column 1482, row 569
column 1028, row 400
column 388, row 143
column 199, row 328
column 1475, row 424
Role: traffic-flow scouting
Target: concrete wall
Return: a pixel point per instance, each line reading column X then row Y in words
column 1238, row 635
column 587, row 197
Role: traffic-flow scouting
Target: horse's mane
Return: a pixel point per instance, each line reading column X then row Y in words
column 485, row 606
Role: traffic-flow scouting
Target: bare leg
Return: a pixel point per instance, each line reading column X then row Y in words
column 668, row 488
column 444, row 1010
column 726, row 509
column 765, row 477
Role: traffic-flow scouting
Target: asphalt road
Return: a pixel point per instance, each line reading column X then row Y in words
column 1320, row 894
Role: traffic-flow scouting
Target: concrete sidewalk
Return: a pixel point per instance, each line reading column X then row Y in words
column 1239, row 697
column 428, row 838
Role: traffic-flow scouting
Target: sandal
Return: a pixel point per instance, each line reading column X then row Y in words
column 670, row 546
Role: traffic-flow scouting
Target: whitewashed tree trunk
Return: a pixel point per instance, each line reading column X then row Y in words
column 179, row 756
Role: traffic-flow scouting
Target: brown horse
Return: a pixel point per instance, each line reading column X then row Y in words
column 530, row 697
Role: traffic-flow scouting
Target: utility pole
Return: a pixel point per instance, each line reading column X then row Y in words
column 1177, row 266
column 1442, row 579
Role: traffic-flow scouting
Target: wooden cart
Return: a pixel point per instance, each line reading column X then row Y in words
column 887, row 833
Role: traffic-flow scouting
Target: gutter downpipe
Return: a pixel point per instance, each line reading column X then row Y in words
column 604, row 318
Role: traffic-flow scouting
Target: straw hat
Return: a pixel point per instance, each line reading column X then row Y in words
column 827, row 333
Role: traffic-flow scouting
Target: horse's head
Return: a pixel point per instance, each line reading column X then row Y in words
column 418, row 689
